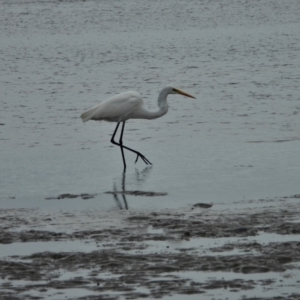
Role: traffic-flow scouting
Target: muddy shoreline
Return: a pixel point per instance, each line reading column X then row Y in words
column 152, row 254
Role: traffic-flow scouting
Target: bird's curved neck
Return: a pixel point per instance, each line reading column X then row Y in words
column 162, row 104
column 144, row 113
column 162, row 98
column 156, row 114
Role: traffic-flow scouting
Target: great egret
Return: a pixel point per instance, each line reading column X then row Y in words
column 129, row 105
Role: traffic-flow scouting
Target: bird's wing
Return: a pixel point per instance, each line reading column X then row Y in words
column 116, row 109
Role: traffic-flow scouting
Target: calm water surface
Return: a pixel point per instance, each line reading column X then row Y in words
column 240, row 139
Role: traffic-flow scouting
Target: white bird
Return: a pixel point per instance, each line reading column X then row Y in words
column 129, row 105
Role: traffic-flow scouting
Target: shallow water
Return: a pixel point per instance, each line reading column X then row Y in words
column 238, row 142
column 239, row 139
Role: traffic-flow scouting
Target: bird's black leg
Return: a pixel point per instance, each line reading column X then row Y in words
column 121, row 145
column 113, row 136
column 146, row 161
column 121, row 142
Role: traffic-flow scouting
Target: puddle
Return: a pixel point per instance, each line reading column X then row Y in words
column 54, row 294
column 28, row 248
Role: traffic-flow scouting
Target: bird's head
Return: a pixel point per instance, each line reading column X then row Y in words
column 162, row 98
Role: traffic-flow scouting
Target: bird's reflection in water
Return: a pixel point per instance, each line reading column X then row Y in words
column 138, row 178
column 116, row 193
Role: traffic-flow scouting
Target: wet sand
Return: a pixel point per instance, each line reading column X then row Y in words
column 251, row 251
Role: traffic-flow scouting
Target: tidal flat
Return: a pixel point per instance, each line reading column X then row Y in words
column 216, row 216
column 251, row 251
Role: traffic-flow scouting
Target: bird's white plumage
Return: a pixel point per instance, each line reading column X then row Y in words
column 130, row 105
column 115, row 109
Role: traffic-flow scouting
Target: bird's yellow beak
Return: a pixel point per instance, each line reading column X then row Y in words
column 183, row 93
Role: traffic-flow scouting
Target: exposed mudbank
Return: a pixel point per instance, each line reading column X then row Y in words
column 151, row 254
column 70, row 196
column 137, row 193
column 87, row 196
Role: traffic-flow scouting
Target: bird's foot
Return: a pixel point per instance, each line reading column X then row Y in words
column 146, row 161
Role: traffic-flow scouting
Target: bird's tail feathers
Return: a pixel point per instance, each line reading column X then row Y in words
column 88, row 115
